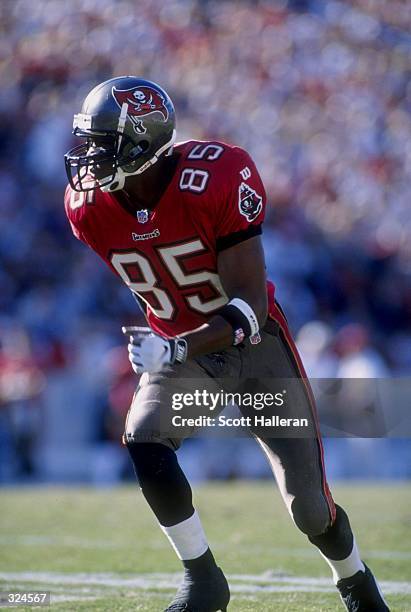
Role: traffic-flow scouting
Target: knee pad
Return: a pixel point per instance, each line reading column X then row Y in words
column 150, row 460
column 162, row 481
column 312, row 517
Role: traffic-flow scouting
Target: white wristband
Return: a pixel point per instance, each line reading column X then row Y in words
column 248, row 312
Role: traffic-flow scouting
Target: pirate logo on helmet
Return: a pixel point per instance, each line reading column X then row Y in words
column 141, row 101
column 249, row 202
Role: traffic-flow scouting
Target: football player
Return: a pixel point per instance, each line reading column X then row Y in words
column 180, row 224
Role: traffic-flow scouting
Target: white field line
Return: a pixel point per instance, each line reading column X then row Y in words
column 76, row 542
column 240, row 583
column 312, row 553
column 41, row 540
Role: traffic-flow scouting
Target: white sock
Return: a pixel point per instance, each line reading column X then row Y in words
column 346, row 567
column 187, row 538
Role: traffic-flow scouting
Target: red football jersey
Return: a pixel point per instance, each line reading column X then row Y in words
column 168, row 256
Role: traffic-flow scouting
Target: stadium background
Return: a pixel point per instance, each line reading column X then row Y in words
column 319, row 94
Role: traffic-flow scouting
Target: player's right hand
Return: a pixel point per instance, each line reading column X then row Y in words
column 150, row 352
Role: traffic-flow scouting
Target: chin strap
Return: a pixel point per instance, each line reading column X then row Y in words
column 121, row 176
column 157, row 154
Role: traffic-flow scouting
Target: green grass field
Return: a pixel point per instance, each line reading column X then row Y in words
column 102, row 550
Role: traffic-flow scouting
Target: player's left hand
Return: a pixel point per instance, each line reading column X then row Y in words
column 149, row 352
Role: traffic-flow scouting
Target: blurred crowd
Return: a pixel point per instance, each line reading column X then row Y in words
column 317, row 91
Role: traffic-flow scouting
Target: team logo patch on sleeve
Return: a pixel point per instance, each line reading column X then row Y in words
column 250, row 203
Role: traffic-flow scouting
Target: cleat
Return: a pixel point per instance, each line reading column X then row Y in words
column 361, row 593
column 211, row 594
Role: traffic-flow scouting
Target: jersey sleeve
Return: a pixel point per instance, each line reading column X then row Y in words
column 241, row 206
column 74, row 205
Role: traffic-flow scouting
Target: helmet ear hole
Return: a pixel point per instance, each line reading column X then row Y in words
column 132, row 153
column 143, row 145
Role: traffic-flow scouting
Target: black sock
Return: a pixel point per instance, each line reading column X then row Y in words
column 162, row 482
column 201, row 566
column 337, row 541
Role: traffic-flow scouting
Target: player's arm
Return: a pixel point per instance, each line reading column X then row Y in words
column 242, row 273
column 237, row 209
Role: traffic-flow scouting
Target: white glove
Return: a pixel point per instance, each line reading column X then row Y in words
column 149, row 352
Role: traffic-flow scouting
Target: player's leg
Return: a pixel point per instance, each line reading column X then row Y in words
column 298, row 465
column 167, row 491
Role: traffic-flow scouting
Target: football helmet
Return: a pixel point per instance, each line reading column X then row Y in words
column 127, row 123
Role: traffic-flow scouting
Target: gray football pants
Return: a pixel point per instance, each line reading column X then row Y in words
column 297, row 462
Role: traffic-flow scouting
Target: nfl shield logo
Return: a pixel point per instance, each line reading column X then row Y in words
column 142, row 215
column 255, row 339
